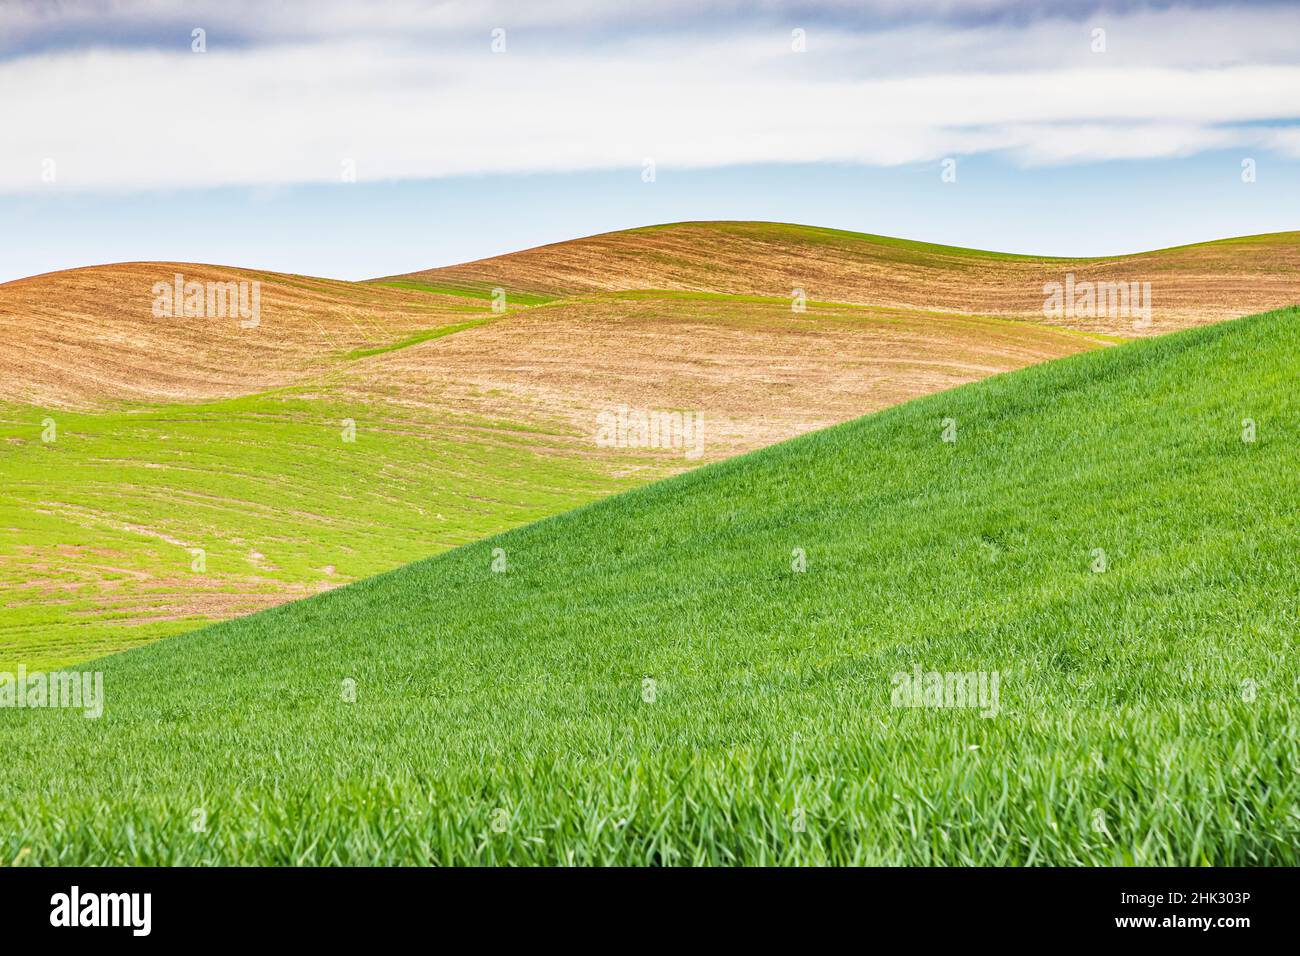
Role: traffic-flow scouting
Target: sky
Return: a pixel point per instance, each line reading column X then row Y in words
column 356, row 140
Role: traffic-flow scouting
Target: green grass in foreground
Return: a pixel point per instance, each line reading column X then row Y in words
column 1147, row 714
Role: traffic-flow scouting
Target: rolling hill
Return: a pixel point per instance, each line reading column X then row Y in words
column 161, row 472
column 1190, row 285
column 707, row 670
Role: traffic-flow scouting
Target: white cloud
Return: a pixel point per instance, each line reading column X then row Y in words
column 299, row 19
column 436, row 103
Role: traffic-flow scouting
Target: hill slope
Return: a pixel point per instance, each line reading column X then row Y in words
column 157, row 472
column 650, row 679
column 185, row 434
column 89, row 337
column 1190, row 285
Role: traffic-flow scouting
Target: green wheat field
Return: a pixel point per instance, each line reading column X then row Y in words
column 701, row 671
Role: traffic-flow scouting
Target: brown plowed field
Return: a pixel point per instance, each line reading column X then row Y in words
column 1190, row 285
column 86, row 337
column 759, row 373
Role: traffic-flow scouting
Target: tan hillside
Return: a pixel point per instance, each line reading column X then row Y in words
column 86, row 337
column 1190, row 285
column 761, row 373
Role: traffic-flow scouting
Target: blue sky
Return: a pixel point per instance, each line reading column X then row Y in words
column 363, row 230
column 124, row 144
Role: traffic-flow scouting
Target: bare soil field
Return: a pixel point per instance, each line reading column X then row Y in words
column 758, row 373
column 1190, row 285
column 86, row 337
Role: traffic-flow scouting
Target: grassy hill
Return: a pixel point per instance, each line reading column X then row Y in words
column 177, row 435
column 130, row 442
column 649, row 679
